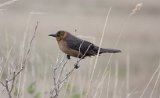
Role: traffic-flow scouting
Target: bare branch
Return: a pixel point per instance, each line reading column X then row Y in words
column 12, row 82
column 80, row 48
column 76, row 64
column 58, row 81
column 30, row 44
column 9, row 89
column 28, row 51
column 67, row 76
column 2, row 83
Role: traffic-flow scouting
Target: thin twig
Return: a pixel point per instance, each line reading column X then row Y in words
column 66, row 77
column 28, row 51
column 30, row 44
column 58, row 81
column 12, row 82
column 16, row 74
column 2, row 83
column 55, row 80
column 59, row 62
column 7, row 88
column 6, row 84
column 79, row 52
column 83, row 54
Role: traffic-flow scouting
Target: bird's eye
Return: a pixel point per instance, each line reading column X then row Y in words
column 58, row 35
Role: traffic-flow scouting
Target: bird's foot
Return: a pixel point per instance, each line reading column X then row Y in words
column 68, row 57
column 76, row 66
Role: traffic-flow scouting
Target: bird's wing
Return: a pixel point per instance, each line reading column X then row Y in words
column 78, row 44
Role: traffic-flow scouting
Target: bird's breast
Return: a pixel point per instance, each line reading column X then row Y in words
column 64, row 47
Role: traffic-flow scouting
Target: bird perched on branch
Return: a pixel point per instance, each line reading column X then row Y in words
column 76, row 47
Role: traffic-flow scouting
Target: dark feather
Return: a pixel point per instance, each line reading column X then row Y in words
column 82, row 46
column 78, row 44
column 108, row 50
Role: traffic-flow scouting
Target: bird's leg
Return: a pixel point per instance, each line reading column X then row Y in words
column 68, row 57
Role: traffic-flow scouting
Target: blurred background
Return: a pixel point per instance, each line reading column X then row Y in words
column 128, row 73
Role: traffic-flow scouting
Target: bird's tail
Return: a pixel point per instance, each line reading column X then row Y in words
column 108, row 50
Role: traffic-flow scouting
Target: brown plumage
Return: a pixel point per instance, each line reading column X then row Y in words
column 76, row 47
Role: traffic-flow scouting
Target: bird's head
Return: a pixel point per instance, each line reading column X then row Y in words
column 60, row 35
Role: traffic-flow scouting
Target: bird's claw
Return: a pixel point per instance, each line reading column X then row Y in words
column 68, row 57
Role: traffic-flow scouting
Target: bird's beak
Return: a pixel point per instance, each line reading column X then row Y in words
column 53, row 35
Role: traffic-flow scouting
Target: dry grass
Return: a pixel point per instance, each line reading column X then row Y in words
column 131, row 74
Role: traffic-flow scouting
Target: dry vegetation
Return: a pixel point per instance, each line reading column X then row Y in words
column 31, row 65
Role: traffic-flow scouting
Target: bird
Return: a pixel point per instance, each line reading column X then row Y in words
column 79, row 48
